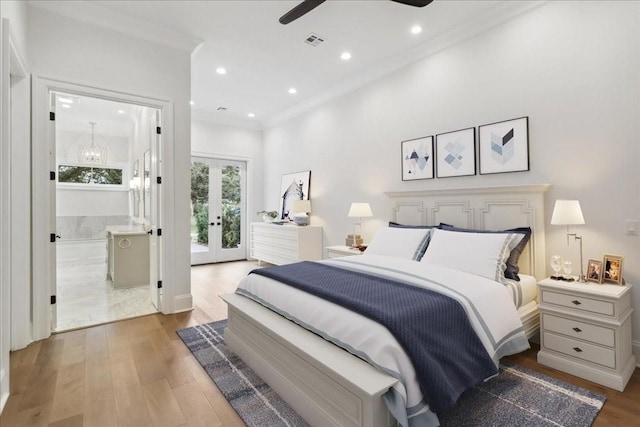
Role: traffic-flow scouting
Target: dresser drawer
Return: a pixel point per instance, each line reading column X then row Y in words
column 580, row 349
column 579, row 303
column 584, row 331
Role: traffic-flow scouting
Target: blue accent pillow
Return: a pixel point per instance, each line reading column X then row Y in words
column 512, row 270
column 424, row 244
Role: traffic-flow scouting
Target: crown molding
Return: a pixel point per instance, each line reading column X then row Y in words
column 464, row 31
column 218, row 118
column 100, row 16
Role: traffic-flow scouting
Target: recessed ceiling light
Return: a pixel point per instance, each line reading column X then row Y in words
column 251, row 115
column 292, row 90
column 416, row 29
column 191, row 103
column 221, row 70
column 120, row 111
column 345, row 56
column 66, row 106
column 66, row 100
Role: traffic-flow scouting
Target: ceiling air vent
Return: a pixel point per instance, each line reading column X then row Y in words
column 313, row 39
column 222, row 108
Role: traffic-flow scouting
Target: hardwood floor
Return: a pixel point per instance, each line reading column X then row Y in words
column 138, row 373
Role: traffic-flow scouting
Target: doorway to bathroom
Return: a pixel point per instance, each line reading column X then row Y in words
column 106, row 216
column 218, row 210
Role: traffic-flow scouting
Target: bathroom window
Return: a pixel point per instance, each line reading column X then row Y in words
column 89, row 175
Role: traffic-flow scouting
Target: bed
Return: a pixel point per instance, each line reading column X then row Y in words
column 328, row 385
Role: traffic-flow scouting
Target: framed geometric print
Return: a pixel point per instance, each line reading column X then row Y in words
column 504, row 146
column 417, row 158
column 456, row 153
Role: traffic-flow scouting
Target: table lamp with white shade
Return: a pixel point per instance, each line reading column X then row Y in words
column 358, row 210
column 301, row 208
column 568, row 212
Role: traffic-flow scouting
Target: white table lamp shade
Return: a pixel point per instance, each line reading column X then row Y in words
column 300, row 206
column 567, row 212
column 360, row 210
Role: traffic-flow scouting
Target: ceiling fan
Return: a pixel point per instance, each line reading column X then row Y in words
column 308, row 5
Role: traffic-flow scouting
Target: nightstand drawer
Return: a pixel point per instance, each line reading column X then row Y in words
column 584, row 331
column 581, row 350
column 579, row 303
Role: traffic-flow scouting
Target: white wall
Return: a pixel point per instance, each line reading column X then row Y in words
column 229, row 142
column 108, row 60
column 573, row 68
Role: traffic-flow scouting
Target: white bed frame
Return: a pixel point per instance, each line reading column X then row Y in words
column 327, row 385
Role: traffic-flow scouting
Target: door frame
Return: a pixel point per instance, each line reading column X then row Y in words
column 249, row 187
column 216, row 251
column 43, row 191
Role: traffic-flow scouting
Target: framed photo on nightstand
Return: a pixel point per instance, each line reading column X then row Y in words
column 594, row 271
column 612, row 269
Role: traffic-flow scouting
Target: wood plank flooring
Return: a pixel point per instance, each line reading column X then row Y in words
column 138, row 373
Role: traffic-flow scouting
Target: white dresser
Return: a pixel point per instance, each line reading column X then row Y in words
column 585, row 330
column 284, row 244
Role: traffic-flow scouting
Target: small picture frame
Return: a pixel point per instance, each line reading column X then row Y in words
column 612, row 269
column 417, row 158
column 504, row 146
column 456, row 153
column 594, row 271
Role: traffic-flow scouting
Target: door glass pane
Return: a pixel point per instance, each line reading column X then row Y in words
column 231, row 215
column 199, row 207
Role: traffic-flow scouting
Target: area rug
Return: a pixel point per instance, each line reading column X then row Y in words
column 516, row 397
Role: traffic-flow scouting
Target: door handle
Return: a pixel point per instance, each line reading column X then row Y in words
column 213, row 223
column 218, row 223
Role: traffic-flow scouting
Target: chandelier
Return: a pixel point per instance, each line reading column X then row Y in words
column 92, row 154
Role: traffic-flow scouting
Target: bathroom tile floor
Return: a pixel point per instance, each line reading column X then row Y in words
column 84, row 295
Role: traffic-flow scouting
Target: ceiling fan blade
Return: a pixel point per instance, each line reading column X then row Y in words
column 304, row 7
column 416, row 3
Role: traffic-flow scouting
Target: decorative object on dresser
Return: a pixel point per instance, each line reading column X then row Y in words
column 417, row 158
column 568, row 212
column 504, row 146
column 594, row 271
column 585, row 330
column 341, row 250
column 294, row 186
column 284, row 244
column 456, row 153
column 300, row 209
column 268, row 216
column 612, row 269
column 357, row 210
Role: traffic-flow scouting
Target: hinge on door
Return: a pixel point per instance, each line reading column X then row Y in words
column 52, row 237
column 159, row 231
column 159, row 180
column 52, row 176
column 53, row 299
column 159, row 284
column 158, row 130
column 52, row 116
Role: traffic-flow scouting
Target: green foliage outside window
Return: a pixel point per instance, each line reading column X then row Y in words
column 89, row 175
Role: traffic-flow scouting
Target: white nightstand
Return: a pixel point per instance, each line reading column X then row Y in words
column 585, row 330
column 342, row 250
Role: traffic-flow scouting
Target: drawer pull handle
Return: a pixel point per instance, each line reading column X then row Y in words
column 577, row 329
column 577, row 349
column 576, row 302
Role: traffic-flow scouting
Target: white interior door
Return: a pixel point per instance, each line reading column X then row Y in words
column 155, row 224
column 52, row 206
column 218, row 199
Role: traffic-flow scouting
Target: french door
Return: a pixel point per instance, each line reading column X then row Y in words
column 218, row 210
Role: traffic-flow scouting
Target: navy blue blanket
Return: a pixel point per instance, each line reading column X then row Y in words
column 432, row 328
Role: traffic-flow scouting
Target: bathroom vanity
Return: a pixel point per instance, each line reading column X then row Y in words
column 127, row 257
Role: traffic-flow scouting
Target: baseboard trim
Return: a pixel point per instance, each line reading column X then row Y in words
column 635, row 349
column 181, row 303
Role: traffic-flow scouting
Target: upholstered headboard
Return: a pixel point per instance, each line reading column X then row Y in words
column 485, row 208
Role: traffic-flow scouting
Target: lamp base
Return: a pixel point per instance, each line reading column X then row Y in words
column 581, row 279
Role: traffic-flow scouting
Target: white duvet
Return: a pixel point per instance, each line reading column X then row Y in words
column 488, row 305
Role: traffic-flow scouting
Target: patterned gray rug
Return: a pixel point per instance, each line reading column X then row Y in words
column 516, row 397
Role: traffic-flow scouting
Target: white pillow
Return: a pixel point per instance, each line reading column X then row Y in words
column 483, row 254
column 406, row 243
